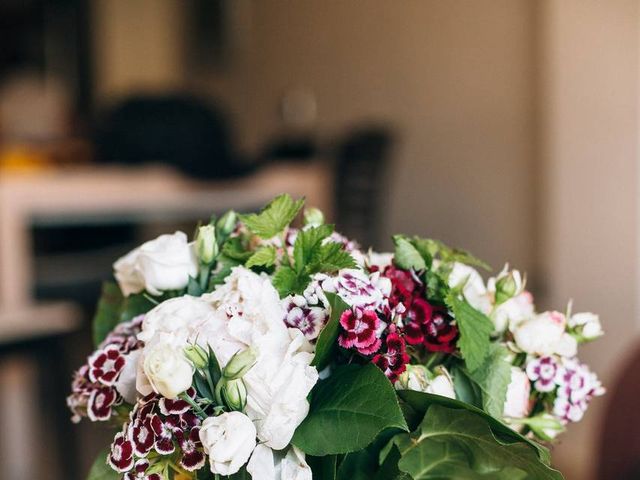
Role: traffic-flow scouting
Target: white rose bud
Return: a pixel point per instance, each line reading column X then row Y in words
column 228, row 439
column 233, row 393
column 508, row 284
column 545, row 426
column 165, row 263
column 517, row 404
column 226, row 224
column 586, row 326
column 206, row 245
column 313, row 216
column 418, row 378
column 197, row 355
column 240, row 364
column 167, row 369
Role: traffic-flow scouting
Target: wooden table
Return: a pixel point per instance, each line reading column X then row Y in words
column 101, row 194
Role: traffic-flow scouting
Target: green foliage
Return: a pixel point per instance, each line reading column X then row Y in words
column 113, row 308
column 235, row 249
column 330, row 258
column 467, row 390
column 406, row 255
column 475, row 331
column 263, row 257
column 108, row 311
column 438, row 250
column 273, row 218
column 350, row 408
column 493, row 378
column 327, row 342
column 451, row 443
column 308, row 243
column 323, row 468
column 100, row 470
column 415, row 405
column 286, row 280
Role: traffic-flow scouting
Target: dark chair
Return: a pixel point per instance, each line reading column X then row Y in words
column 362, row 160
column 179, row 130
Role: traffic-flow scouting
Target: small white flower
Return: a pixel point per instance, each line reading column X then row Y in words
column 517, row 403
column 167, row 369
column 266, row 464
column 378, row 260
column 512, row 312
column 358, row 289
column 165, row 263
column 228, row 439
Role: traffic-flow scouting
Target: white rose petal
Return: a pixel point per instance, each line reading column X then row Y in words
column 517, row 402
column 126, row 384
column 157, row 265
column 266, row 464
column 228, row 439
column 473, row 287
column 544, row 335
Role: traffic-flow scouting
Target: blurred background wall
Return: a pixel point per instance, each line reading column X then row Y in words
column 516, row 125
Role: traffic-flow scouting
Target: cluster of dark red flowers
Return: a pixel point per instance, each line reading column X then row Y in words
column 157, row 424
column 93, row 391
column 405, row 317
column 423, row 323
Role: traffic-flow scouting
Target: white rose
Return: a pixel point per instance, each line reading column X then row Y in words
column 587, row 325
column 126, row 384
column 418, row 378
column 473, row 288
column 167, row 369
column 228, row 439
column 545, row 335
column 190, row 320
column 165, row 263
column 266, row 464
column 517, row 403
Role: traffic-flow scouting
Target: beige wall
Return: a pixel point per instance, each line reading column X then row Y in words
column 589, row 133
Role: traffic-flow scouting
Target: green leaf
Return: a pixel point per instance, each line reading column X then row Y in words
column 288, row 281
column 135, row 305
column 451, row 443
column 415, row 405
column 406, row 256
column 222, row 271
column 194, row 288
column 350, row 408
column 493, row 378
column 327, row 341
column 329, row 258
column 475, row 331
column 274, row 217
column 323, row 468
column 467, row 390
column 263, row 257
column 308, row 243
column 107, row 312
column 100, row 470
column 439, row 250
column 235, row 249
column 361, row 465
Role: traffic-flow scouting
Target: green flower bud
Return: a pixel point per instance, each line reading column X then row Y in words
column 226, row 224
column 545, row 426
column 313, row 216
column 197, row 356
column 240, row 364
column 206, row 246
column 508, row 285
column 233, row 393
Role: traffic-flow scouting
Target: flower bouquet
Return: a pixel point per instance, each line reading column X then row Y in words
column 269, row 352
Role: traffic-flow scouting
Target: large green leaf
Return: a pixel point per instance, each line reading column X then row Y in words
column 108, row 311
column 100, row 470
column 475, row 331
column 415, row 405
column 274, row 217
column 406, row 256
column 263, row 257
column 307, row 243
column 493, row 378
column 328, row 339
column 348, row 410
column 451, row 443
column 323, row 468
column 135, row 305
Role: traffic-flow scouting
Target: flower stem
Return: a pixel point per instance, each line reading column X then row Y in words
column 201, row 413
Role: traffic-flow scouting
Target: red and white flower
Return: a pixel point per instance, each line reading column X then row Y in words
column 543, row 371
column 105, row 365
column 360, row 330
column 100, row 402
column 393, row 362
column 120, row 457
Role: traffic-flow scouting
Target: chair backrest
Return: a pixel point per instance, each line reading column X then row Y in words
column 180, row 130
column 362, row 160
column 619, row 456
